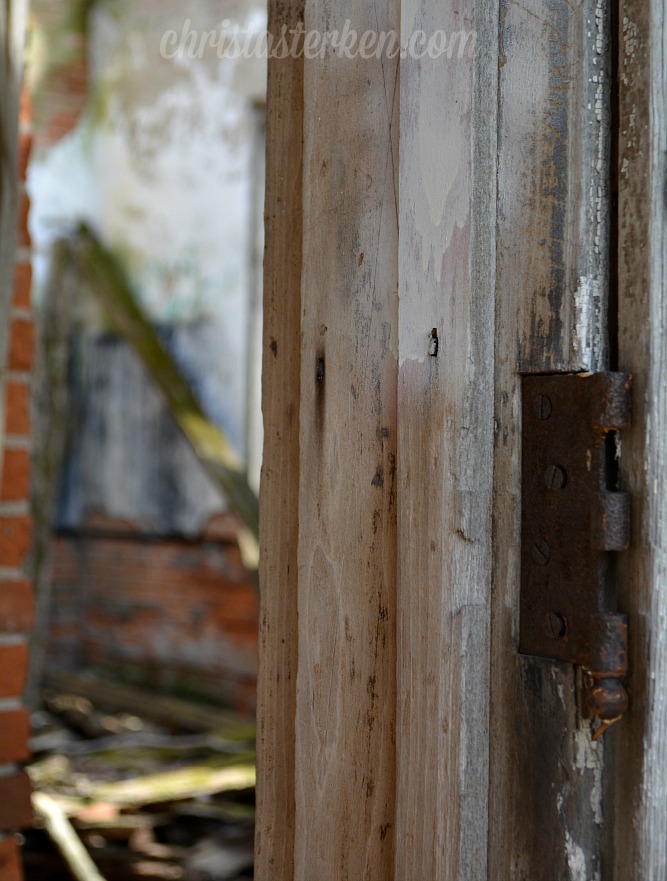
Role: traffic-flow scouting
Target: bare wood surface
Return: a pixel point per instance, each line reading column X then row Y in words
column 345, row 728
column 519, row 764
column 445, row 453
column 545, row 807
column 639, row 831
column 279, row 520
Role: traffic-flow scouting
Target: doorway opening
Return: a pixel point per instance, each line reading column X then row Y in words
column 146, row 183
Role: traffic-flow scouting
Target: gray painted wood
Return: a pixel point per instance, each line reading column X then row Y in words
column 639, row 787
column 545, row 806
column 552, row 184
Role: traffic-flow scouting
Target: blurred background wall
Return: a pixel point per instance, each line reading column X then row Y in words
column 163, row 157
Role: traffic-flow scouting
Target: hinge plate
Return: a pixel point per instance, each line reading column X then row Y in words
column 570, row 521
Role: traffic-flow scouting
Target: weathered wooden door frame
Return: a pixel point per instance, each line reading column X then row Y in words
column 400, row 734
column 638, row 767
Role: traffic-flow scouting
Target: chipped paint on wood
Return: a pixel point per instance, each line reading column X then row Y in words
column 577, row 862
column 553, row 106
column 589, row 756
column 640, row 745
column 551, row 316
column 587, row 337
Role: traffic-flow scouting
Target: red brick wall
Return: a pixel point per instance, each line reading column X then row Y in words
column 16, row 598
column 61, row 98
column 170, row 613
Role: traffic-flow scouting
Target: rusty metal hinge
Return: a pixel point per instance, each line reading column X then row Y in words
column 571, row 519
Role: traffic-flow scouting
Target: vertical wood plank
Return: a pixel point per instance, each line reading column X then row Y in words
column 640, row 743
column 546, row 773
column 279, row 515
column 447, row 277
column 345, row 735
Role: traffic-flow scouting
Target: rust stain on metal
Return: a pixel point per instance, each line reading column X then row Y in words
column 570, row 522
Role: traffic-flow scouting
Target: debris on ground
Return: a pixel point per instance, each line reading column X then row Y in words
column 153, row 787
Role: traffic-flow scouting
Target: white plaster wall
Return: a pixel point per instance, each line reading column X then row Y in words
column 164, row 167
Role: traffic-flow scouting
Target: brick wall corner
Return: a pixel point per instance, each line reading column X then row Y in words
column 16, row 589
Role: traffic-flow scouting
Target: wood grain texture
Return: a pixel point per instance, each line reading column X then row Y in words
column 345, row 737
column 445, row 454
column 496, row 773
column 279, row 496
column 639, row 835
column 545, row 807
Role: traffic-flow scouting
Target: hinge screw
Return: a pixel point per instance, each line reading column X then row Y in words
column 555, row 477
column 543, row 407
column 541, row 552
column 556, row 626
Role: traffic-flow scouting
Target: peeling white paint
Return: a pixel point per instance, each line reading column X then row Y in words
column 576, row 859
column 589, row 756
column 589, row 342
column 561, row 693
column 587, row 333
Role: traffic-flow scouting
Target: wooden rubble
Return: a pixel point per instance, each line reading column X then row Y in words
column 136, row 785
